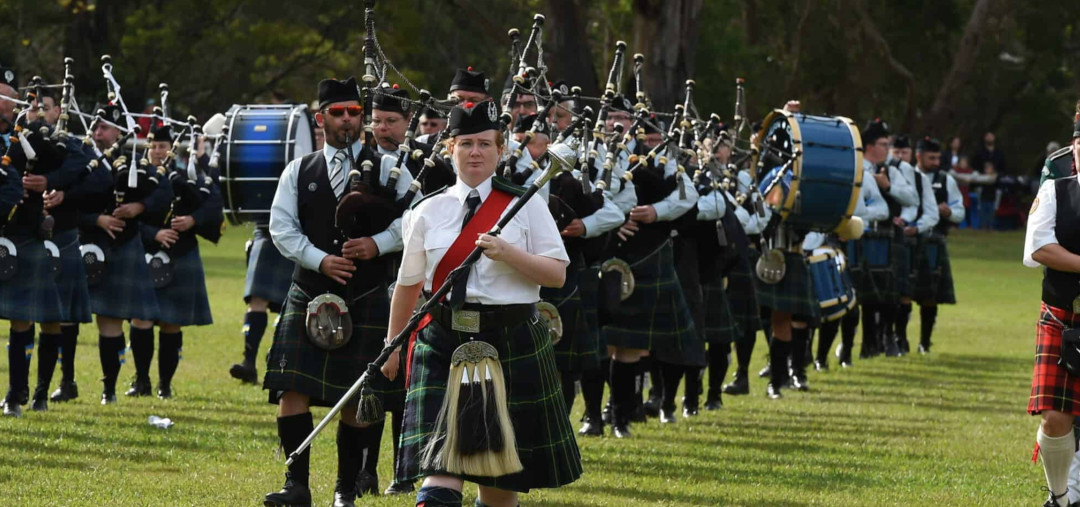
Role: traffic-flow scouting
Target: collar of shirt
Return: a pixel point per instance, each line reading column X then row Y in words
column 462, row 190
column 330, row 151
column 384, row 151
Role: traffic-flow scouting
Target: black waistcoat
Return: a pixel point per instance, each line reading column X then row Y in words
column 894, row 205
column 939, row 184
column 1061, row 288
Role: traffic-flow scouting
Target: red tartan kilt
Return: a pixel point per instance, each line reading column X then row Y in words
column 1052, row 386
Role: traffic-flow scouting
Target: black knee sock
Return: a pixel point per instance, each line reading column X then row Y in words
column 903, row 315
column 254, row 327
column 349, row 457
column 928, row 316
column 172, row 344
column 68, row 342
column 622, row 390
column 744, row 350
column 292, row 430
column 718, row 367
column 111, row 352
column 142, row 352
column 848, row 325
column 778, row 359
column 371, row 442
column 20, row 351
column 692, row 392
column 826, row 336
column 48, row 350
column 799, row 338
column 656, row 378
column 592, row 391
column 672, row 374
column 869, row 327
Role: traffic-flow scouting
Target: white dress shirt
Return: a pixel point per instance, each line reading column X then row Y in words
column 671, row 207
column 930, row 216
column 433, row 225
column 285, row 227
column 902, row 183
column 752, row 223
column 871, row 206
column 1041, row 222
column 953, row 198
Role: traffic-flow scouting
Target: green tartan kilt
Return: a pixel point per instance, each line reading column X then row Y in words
column 743, row 297
column 904, row 252
column 656, row 316
column 933, row 273
column 295, row 364
column 545, row 440
column 720, row 324
column 794, row 293
column 579, row 348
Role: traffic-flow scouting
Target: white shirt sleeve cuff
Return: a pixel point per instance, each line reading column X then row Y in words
column 312, row 258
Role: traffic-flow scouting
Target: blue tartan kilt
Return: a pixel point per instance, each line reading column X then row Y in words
column 126, row 291
column 269, row 274
column 74, row 293
column 295, row 364
column 31, row 295
column 545, row 440
column 579, row 348
column 656, row 316
column 742, row 297
column 720, row 324
column 184, row 302
column 794, row 293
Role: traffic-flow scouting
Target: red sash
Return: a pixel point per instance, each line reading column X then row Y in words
column 485, row 218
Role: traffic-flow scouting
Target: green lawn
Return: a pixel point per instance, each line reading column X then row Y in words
column 944, row 429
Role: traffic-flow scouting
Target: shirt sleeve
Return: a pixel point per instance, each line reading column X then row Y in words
column 873, row 206
column 413, row 256
column 626, row 197
column 672, row 206
column 956, row 200
column 285, row 225
column 712, row 206
column 542, row 233
column 607, row 218
column 902, row 186
column 1041, row 223
column 389, row 240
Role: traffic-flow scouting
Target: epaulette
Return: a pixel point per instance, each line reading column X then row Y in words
column 506, row 186
column 429, row 195
column 1063, row 152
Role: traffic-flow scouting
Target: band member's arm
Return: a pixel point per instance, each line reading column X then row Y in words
column 626, row 198
column 813, row 240
column 902, row 184
column 285, row 228
column 1041, row 227
column 672, row 206
column 544, row 258
column 389, row 240
column 871, row 206
column 712, row 206
column 609, row 217
column 930, row 216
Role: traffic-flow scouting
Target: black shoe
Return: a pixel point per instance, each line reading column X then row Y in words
column 738, row 386
column 924, row 349
column 344, row 499
column 765, row 372
column 366, row 483
column 66, row 392
column 640, row 414
column 108, row 398
column 667, row 416
column 164, row 391
column 291, row 494
column 41, row 401
column 845, row 364
column 798, row 381
column 840, row 350
column 690, row 410
column 605, row 416
column 1053, row 500
column 713, row 404
column 592, row 428
column 905, row 347
column 621, row 430
column 245, row 373
column 399, row 488
column 140, row 387
column 652, row 409
column 892, row 348
column 12, row 408
column 773, row 392
column 821, row 365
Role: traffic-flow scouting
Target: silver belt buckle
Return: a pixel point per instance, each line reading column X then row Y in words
column 466, row 321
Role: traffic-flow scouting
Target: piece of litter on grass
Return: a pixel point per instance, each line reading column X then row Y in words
column 163, row 423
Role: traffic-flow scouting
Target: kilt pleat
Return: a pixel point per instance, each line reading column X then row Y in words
column 656, row 316
column 742, row 298
column 32, row 294
column 545, row 440
column 74, row 293
column 269, row 274
column 184, row 301
column 295, row 364
column 794, row 293
column 720, row 324
column 126, row 291
column 933, row 285
column 904, row 252
column 1052, row 386
column 579, row 348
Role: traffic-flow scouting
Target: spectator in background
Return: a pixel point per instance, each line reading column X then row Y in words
column 145, row 123
column 950, row 158
column 989, row 152
column 988, row 194
column 961, row 172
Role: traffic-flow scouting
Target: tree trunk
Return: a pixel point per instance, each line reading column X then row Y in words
column 570, row 55
column 666, row 32
column 944, row 110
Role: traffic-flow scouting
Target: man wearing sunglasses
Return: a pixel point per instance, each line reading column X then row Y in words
column 303, row 224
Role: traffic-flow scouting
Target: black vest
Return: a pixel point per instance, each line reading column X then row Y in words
column 651, row 187
column 939, row 183
column 1061, row 288
column 316, row 206
column 894, row 205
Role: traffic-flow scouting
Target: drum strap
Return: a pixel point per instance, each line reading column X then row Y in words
column 918, row 190
column 486, row 216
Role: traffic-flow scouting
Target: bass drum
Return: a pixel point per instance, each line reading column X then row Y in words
column 262, row 140
column 820, row 190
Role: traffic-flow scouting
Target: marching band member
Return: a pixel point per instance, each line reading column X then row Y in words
column 915, row 221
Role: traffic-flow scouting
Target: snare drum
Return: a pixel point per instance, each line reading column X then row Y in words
column 832, row 283
column 821, row 189
column 262, row 140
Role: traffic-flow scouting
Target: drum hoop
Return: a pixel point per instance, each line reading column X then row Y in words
column 796, row 140
column 234, row 217
column 856, row 191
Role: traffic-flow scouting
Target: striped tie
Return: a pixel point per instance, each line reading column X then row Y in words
column 337, row 173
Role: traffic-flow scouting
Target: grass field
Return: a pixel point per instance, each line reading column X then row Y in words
column 945, row 429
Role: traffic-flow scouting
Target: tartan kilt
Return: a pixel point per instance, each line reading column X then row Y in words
column 656, row 316
column 269, row 274
column 1052, row 386
column 933, row 283
column 31, row 294
column 873, row 284
column 295, row 364
column 720, row 324
column 184, row 302
column 545, row 440
column 74, row 293
column 126, row 291
column 742, row 297
column 904, row 253
column 794, row 293
column 579, row 348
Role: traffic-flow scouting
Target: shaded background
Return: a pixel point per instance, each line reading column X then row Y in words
column 937, row 67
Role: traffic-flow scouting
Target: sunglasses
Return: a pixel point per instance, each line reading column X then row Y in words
column 338, row 111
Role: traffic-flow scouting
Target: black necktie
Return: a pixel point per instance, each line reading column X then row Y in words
column 457, row 294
